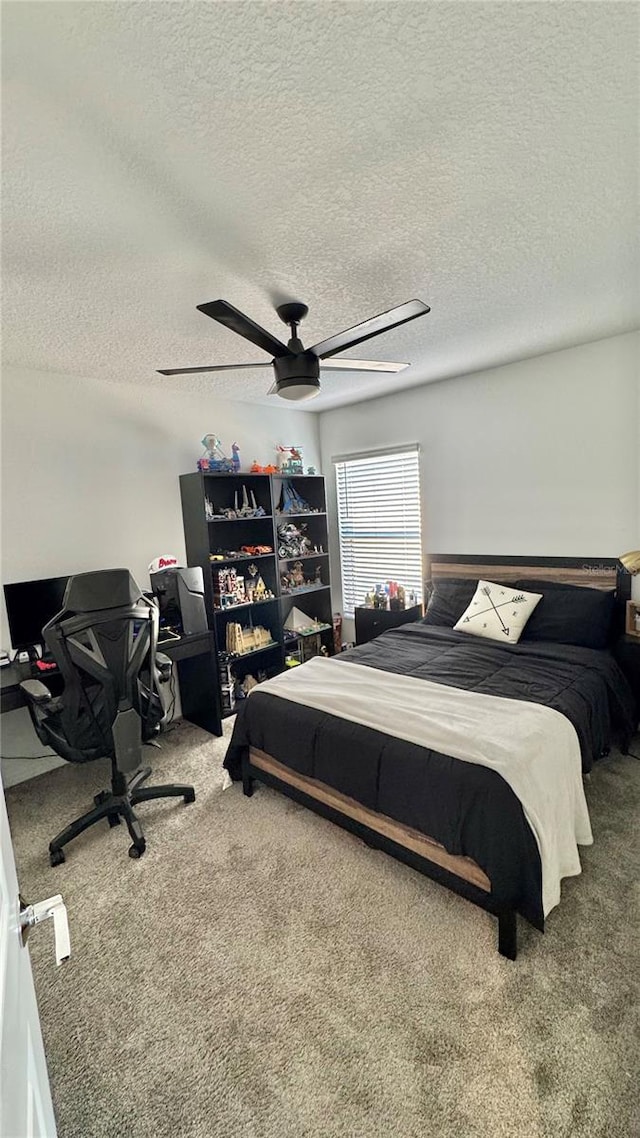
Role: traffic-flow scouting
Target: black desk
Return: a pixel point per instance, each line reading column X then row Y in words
column 12, row 676
column 197, row 669
column 198, row 675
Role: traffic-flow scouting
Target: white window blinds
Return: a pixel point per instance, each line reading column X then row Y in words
column 379, row 520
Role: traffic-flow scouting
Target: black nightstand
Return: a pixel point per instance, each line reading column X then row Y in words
column 627, row 654
column 372, row 622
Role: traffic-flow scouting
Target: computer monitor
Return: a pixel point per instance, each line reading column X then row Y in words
column 31, row 605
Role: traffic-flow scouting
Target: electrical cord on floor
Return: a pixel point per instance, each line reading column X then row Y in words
column 18, row 758
column 172, row 706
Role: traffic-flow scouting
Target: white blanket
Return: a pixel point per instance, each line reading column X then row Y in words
column 534, row 748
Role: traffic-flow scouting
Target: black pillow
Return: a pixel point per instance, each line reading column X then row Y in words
column 449, row 600
column 569, row 614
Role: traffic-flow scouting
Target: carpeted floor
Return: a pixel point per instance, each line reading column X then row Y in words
column 260, row 973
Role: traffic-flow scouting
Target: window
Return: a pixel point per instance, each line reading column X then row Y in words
column 379, row 520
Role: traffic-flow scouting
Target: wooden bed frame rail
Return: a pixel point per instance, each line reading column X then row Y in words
column 459, row 874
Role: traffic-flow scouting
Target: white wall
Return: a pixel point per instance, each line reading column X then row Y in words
column 90, row 470
column 537, row 457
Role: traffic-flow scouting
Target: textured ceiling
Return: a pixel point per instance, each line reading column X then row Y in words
column 480, row 156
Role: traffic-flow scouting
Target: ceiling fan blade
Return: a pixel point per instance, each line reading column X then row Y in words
column 373, row 327
column 215, row 367
column 338, row 364
column 232, row 318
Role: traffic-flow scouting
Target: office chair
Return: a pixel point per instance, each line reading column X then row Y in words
column 104, row 643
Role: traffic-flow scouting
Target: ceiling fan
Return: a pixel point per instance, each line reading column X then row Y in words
column 297, row 369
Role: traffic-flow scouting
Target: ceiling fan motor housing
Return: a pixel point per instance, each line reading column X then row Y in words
column 300, row 370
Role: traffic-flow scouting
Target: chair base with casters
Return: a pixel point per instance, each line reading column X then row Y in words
column 117, row 804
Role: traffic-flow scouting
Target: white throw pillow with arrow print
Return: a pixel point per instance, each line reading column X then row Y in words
column 498, row 612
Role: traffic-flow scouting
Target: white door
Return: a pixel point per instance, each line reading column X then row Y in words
column 26, row 1110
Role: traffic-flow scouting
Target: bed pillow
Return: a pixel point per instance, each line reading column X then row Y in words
column 498, row 612
column 448, row 601
column 571, row 614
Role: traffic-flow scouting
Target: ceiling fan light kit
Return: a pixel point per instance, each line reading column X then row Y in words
column 296, row 368
column 296, row 389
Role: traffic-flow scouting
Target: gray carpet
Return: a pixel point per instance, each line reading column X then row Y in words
column 261, row 974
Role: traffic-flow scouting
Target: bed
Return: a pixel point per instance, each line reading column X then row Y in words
column 458, row 822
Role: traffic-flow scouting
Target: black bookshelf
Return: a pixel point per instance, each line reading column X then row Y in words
column 224, row 537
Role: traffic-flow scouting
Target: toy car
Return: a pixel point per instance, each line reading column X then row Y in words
column 256, row 550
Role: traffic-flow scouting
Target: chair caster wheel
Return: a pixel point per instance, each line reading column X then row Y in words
column 113, row 820
column 56, row 857
column 137, row 850
column 190, row 796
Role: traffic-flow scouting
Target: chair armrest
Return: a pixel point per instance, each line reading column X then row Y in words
column 36, row 691
column 164, row 666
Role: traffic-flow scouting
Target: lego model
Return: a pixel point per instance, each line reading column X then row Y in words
column 290, row 460
column 294, row 578
column 248, row 509
column 293, row 541
column 240, row 641
column 291, row 502
column 231, row 589
column 214, row 459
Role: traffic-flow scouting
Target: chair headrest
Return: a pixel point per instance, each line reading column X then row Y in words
column 104, row 589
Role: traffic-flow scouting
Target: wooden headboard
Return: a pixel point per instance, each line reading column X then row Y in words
column 592, row 572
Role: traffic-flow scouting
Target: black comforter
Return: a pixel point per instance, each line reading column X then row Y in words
column 469, row 809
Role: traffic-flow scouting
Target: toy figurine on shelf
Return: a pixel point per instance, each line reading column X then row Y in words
column 311, row 470
column 296, row 575
column 235, row 459
column 257, row 469
column 214, row 459
column 290, row 460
